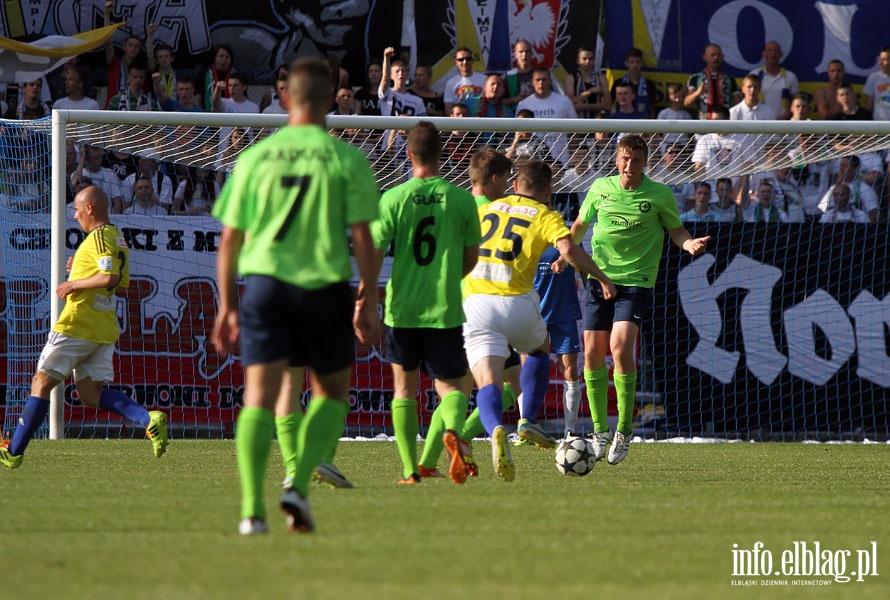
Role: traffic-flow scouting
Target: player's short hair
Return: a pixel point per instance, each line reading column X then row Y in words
column 541, row 70
column 753, row 78
column 486, row 163
column 675, row 87
column 845, row 85
column 525, row 113
column 583, row 49
column 309, row 83
column 702, row 184
column 633, row 53
column 632, row 142
column 424, row 143
column 803, row 97
column 534, row 176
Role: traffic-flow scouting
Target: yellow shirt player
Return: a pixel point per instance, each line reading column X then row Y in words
column 82, row 341
column 502, row 306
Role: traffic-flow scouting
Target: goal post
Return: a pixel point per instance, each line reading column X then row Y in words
column 770, row 335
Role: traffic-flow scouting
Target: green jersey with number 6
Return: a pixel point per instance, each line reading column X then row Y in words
column 294, row 194
column 432, row 221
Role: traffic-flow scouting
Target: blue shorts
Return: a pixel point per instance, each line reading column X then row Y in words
column 564, row 337
column 439, row 352
column 630, row 304
column 307, row 327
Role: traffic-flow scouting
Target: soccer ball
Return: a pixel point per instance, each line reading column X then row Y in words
column 575, row 457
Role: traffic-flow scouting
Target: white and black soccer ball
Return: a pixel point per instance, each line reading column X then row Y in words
column 575, row 457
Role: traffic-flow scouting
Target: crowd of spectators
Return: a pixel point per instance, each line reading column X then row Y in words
column 143, row 76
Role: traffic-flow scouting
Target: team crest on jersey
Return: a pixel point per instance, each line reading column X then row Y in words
column 645, row 206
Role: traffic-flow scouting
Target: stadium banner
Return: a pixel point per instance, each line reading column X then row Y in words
column 752, row 337
column 741, row 339
column 673, row 34
column 163, row 358
column 262, row 35
column 555, row 29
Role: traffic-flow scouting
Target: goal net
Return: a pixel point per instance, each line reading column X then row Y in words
column 780, row 331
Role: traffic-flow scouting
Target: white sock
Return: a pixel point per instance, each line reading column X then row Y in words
column 572, row 404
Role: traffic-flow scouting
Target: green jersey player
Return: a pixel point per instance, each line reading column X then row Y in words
column 631, row 213
column 434, row 229
column 285, row 211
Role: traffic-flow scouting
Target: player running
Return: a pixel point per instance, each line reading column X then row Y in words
column 501, row 305
column 631, row 213
column 434, row 227
column 82, row 340
column 285, row 210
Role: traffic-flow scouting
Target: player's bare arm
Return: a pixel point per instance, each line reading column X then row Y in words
column 225, row 327
column 682, row 239
column 579, row 259
column 471, row 257
column 368, row 260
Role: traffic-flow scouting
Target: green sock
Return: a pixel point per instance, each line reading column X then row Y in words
column 328, row 457
column 253, row 439
column 433, row 446
column 598, row 397
column 626, row 390
column 406, row 426
column 454, row 410
column 286, row 429
column 473, row 425
column 322, row 424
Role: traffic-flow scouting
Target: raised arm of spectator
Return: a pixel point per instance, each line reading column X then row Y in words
column 150, row 46
column 387, row 63
column 160, row 90
column 216, row 98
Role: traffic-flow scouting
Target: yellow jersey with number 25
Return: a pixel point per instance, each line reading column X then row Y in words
column 515, row 231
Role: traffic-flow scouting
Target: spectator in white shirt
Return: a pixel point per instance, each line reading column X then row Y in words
column 842, row 211
column 162, row 185
column 862, row 195
column 779, row 84
column 548, row 104
column 466, row 86
column 145, row 202
column 75, row 79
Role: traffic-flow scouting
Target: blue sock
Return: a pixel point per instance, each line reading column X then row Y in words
column 32, row 418
column 488, row 401
column 121, row 404
column 534, row 379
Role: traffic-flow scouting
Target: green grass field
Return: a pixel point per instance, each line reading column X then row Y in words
column 104, row 519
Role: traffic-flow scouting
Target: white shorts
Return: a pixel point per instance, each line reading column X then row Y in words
column 494, row 323
column 63, row 355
